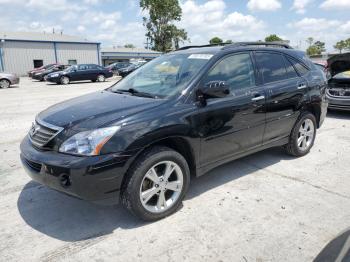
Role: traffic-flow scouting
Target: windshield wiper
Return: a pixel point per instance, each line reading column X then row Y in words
column 135, row 92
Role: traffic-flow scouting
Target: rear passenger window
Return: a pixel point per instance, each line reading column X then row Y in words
column 236, row 70
column 290, row 69
column 302, row 70
column 272, row 67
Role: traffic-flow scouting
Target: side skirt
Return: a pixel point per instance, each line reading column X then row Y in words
column 204, row 169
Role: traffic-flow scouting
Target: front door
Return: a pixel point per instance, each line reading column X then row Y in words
column 234, row 124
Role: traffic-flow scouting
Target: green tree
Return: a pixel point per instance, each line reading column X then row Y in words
column 310, row 41
column 161, row 30
column 313, row 50
column 347, row 44
column 273, row 38
column 320, row 45
column 216, row 41
column 341, row 45
column 129, row 46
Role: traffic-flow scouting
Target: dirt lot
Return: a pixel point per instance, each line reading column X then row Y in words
column 265, row 207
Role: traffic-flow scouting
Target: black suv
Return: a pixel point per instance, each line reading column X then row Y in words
column 181, row 114
column 80, row 72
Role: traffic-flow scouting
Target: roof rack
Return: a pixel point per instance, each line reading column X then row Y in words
column 266, row 44
column 200, row 46
column 238, row 44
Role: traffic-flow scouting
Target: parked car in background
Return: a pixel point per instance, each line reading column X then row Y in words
column 8, row 79
column 115, row 67
column 39, row 69
column 123, row 72
column 182, row 114
column 41, row 76
column 79, row 73
column 338, row 92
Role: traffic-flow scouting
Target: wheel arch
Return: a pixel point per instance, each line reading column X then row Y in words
column 315, row 109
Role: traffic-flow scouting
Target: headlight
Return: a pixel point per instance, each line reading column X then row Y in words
column 88, row 143
column 53, row 75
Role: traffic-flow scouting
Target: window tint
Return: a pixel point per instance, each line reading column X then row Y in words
column 93, row 67
column 290, row 69
column 302, row 70
column 82, row 67
column 272, row 66
column 236, row 70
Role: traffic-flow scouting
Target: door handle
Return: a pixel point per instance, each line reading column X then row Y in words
column 302, row 86
column 258, row 98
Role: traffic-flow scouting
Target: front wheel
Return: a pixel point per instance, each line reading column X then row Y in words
column 4, row 83
column 156, row 184
column 64, row 80
column 303, row 135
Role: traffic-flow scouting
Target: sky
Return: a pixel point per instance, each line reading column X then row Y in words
column 118, row 22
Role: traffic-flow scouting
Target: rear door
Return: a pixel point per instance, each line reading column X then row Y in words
column 233, row 124
column 286, row 93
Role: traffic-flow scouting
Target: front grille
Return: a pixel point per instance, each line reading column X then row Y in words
column 40, row 134
column 339, row 92
column 35, row 166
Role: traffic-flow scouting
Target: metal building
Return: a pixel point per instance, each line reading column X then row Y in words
column 117, row 54
column 23, row 51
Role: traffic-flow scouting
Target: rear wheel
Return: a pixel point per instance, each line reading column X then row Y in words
column 101, row 78
column 64, row 80
column 4, row 83
column 303, row 135
column 156, row 184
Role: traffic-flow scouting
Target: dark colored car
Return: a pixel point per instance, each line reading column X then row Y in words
column 39, row 69
column 123, row 72
column 41, row 76
column 115, row 67
column 338, row 92
column 182, row 114
column 79, row 73
column 8, row 79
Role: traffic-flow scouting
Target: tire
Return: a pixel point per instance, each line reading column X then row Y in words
column 93, row 81
column 64, row 80
column 101, row 78
column 4, row 83
column 303, row 135
column 137, row 184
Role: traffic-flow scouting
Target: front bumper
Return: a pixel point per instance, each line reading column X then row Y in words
column 53, row 79
column 97, row 179
column 14, row 80
column 339, row 103
column 38, row 77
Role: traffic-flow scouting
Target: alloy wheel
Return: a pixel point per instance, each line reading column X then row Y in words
column 306, row 134
column 101, row 78
column 65, row 80
column 4, row 84
column 161, row 186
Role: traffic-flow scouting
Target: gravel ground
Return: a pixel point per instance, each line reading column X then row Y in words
column 265, row 207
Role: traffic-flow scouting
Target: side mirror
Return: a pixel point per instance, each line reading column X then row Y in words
column 213, row 89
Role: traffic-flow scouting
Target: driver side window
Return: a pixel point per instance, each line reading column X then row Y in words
column 236, row 70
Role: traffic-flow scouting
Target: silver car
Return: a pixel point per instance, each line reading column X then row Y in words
column 7, row 79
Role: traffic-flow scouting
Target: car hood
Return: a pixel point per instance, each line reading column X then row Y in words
column 95, row 110
column 338, row 64
column 7, row 75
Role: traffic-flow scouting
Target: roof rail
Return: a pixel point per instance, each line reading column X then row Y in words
column 266, row 44
column 199, row 46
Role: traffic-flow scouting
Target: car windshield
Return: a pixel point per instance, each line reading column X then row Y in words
column 342, row 75
column 164, row 76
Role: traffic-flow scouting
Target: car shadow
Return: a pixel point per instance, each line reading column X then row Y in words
column 76, row 83
column 69, row 219
column 337, row 114
column 336, row 250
